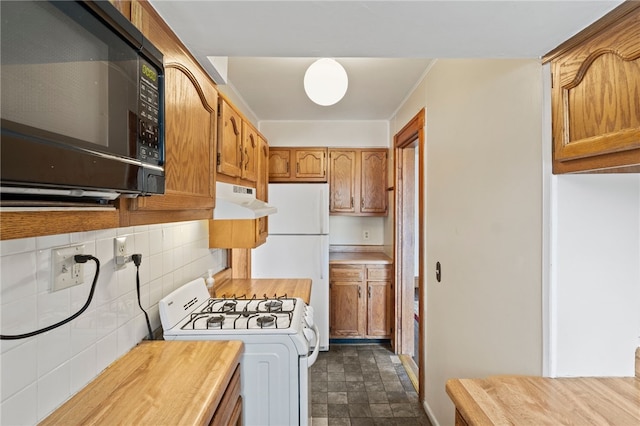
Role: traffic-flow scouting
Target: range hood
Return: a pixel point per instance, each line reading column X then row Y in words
column 239, row 202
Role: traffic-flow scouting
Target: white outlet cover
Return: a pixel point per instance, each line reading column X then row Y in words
column 119, row 251
column 65, row 272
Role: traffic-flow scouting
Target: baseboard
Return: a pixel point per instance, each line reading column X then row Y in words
column 432, row 417
column 359, row 341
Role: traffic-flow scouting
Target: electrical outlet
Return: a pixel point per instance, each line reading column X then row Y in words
column 65, row 272
column 120, row 252
column 365, row 235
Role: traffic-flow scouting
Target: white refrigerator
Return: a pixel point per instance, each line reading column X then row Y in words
column 298, row 244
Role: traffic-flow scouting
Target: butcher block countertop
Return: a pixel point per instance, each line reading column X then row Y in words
column 364, row 257
column 260, row 287
column 157, row 382
column 524, row 400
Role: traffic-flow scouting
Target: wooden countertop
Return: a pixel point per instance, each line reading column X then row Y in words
column 523, row 400
column 157, row 382
column 264, row 286
column 368, row 257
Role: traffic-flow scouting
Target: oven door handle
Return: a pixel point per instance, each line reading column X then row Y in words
column 316, row 350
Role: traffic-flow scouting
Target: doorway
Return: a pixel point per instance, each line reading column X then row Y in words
column 409, row 247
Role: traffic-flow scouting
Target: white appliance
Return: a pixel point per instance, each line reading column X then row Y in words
column 298, row 244
column 277, row 334
column 239, row 202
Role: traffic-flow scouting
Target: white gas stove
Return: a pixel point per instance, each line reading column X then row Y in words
column 277, row 333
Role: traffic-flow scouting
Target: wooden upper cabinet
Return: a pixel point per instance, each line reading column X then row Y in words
column 189, row 146
column 230, row 154
column 297, row 164
column 311, row 165
column 279, row 164
column 596, row 97
column 237, row 145
column 191, row 101
column 358, row 181
column 249, row 152
column 342, row 181
column 262, row 187
column 373, row 181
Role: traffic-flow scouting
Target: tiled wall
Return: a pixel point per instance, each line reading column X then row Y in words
column 40, row 373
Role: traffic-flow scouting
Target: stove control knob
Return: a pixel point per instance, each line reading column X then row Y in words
column 308, row 316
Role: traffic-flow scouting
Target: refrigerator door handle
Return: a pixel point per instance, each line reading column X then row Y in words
column 324, row 203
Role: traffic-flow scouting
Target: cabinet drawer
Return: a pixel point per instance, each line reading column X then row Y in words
column 346, row 273
column 378, row 273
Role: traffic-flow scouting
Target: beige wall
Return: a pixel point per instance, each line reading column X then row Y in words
column 336, row 134
column 484, row 224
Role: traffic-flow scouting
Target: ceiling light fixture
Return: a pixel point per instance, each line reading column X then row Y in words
column 325, row 82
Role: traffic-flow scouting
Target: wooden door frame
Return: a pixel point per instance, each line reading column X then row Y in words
column 411, row 135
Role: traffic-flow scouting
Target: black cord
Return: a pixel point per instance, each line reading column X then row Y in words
column 137, row 260
column 79, row 258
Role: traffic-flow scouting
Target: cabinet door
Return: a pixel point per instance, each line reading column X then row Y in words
column 347, row 301
column 262, row 186
column 311, row 165
column 379, row 300
column 342, row 181
column 373, row 181
column 595, row 107
column 249, row 152
column 189, row 147
column 347, row 309
column 230, row 152
column 379, row 309
column 279, row 164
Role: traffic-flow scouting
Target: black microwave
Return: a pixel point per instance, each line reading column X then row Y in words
column 82, row 103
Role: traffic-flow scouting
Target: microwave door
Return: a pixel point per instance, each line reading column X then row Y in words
column 64, row 74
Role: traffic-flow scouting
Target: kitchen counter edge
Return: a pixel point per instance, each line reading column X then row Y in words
column 133, row 389
column 364, row 257
column 498, row 400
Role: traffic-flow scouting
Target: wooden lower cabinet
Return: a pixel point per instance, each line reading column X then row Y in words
column 229, row 410
column 361, row 301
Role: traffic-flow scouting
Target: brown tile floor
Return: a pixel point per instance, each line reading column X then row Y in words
column 357, row 385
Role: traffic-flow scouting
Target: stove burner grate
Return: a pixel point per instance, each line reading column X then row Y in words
column 215, row 321
column 266, row 320
column 273, row 306
column 229, row 306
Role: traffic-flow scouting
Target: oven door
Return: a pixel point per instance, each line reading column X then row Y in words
column 313, row 337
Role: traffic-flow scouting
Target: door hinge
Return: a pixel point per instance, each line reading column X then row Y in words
column 218, row 159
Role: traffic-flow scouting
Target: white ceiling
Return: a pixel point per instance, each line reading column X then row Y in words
column 385, row 46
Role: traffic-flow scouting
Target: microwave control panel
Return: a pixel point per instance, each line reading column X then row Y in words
column 149, row 138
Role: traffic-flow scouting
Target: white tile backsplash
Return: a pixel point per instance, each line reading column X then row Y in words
column 47, row 369
column 13, row 412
